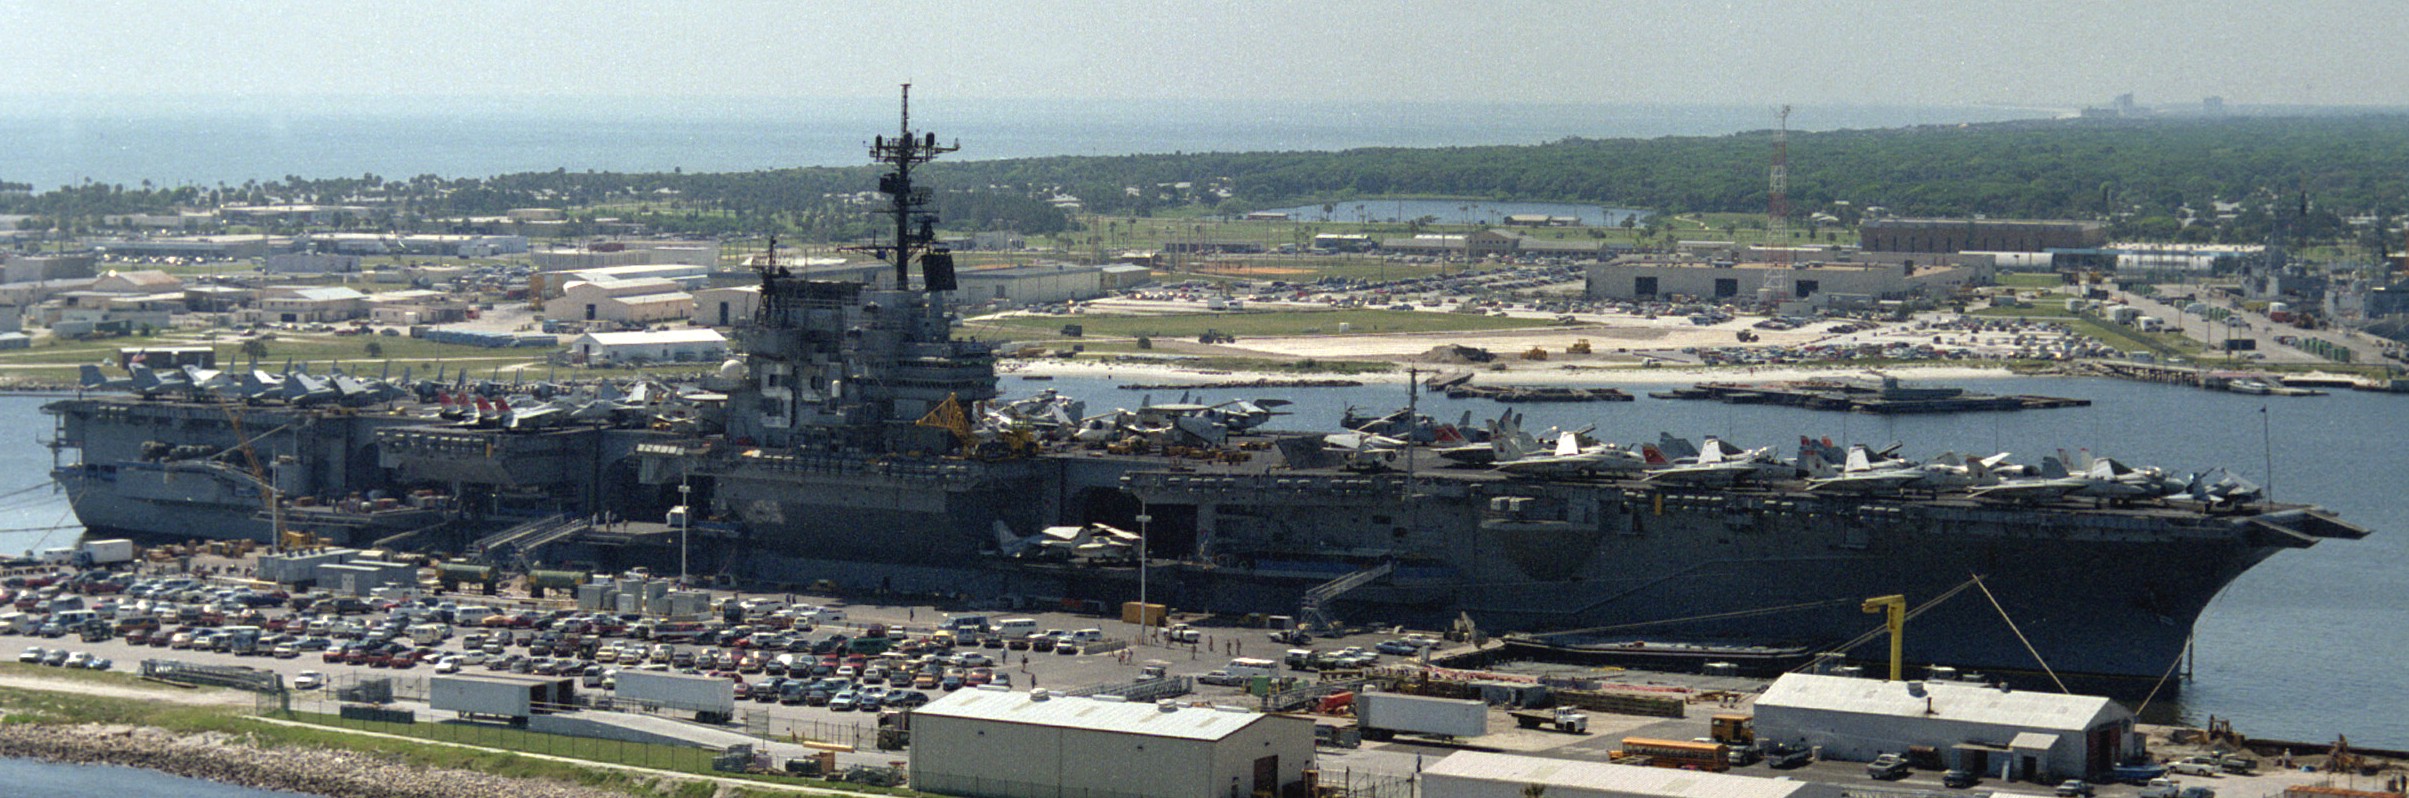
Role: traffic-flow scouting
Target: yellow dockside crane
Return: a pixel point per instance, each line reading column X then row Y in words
column 1894, row 610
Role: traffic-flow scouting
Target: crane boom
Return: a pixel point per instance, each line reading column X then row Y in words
column 1894, row 611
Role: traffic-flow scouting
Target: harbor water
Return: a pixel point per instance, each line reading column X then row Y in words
column 2296, row 649
column 27, row 777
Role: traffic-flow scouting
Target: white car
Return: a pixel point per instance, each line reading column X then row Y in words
column 309, row 680
column 32, row 655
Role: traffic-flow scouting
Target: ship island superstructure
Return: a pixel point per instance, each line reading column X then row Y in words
column 846, row 445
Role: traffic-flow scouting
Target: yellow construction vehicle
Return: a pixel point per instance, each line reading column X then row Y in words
column 1536, row 353
column 1894, row 610
column 1733, row 729
column 949, row 416
column 1580, row 347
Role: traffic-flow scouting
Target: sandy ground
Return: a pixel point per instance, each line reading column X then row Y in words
column 1605, row 339
column 1549, row 373
column 172, row 695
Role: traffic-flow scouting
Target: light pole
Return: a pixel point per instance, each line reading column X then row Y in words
column 685, row 524
column 1144, row 610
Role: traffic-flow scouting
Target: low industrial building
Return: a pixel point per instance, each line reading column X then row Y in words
column 553, row 260
column 415, row 306
column 361, row 577
column 1995, row 731
column 310, row 305
column 37, row 268
column 1122, row 276
column 995, row 743
column 1041, row 284
column 638, row 301
column 1657, row 278
column 688, row 276
column 1477, row 774
column 144, row 281
column 726, row 307
column 628, row 252
column 1978, row 235
column 310, row 263
column 665, row 346
column 1483, row 244
column 231, row 246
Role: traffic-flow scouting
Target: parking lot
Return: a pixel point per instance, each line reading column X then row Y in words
column 839, row 686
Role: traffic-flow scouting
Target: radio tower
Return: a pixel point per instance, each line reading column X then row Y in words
column 1777, row 213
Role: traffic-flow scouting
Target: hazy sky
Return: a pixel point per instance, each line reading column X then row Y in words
column 2047, row 53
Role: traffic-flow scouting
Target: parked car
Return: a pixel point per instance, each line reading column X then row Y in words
column 1959, row 779
column 1887, row 766
column 2074, row 787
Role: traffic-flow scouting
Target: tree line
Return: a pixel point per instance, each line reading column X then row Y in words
column 2153, row 178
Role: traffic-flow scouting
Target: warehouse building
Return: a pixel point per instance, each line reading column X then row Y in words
column 1646, row 278
column 638, row 301
column 1978, row 235
column 2009, row 734
column 688, row 276
column 1475, row 774
column 310, row 263
column 665, row 346
column 37, row 268
column 308, row 305
column 1030, row 285
column 726, row 307
column 994, row 743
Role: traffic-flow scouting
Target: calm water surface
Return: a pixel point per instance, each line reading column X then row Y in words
column 35, row 779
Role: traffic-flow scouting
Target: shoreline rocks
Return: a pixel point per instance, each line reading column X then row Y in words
column 229, row 759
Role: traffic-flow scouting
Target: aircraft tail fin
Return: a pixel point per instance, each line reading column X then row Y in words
column 2053, row 468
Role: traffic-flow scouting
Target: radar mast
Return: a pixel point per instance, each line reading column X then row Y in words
column 911, row 206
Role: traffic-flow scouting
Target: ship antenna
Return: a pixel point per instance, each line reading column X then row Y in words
column 1413, row 418
column 915, row 223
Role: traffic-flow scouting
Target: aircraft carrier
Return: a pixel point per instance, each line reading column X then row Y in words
column 849, row 444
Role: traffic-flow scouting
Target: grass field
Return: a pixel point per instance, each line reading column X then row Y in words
column 1249, row 324
column 499, row 745
column 2027, row 280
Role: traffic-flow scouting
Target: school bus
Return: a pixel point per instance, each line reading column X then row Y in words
column 1681, row 754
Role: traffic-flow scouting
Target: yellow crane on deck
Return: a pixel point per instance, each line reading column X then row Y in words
column 282, row 539
column 1894, row 610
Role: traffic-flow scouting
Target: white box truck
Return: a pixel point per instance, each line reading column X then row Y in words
column 1384, row 715
column 475, row 696
column 101, row 553
column 710, row 698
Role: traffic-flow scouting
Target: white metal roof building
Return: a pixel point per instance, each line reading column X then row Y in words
column 1993, row 730
column 994, row 743
column 1475, row 774
column 664, row 346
